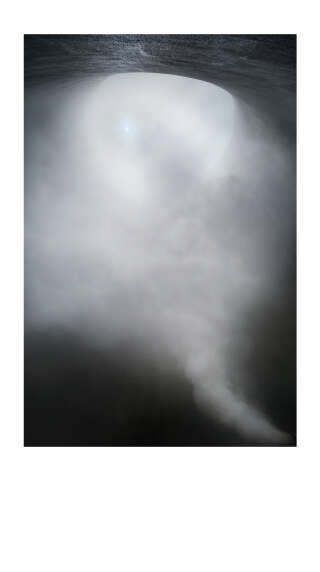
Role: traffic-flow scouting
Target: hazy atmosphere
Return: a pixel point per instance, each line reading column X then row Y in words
column 160, row 240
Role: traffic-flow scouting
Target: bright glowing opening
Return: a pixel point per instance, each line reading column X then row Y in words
column 143, row 123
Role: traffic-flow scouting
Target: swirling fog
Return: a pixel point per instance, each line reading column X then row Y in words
column 156, row 213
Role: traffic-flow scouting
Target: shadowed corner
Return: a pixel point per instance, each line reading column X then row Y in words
column 266, row 356
column 76, row 395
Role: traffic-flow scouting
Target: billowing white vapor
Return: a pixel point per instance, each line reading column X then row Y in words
column 144, row 195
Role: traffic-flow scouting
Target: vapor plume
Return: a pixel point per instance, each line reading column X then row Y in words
column 153, row 213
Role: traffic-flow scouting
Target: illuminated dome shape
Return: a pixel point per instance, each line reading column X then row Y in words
column 149, row 126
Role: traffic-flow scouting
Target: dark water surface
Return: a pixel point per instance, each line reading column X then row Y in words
column 260, row 69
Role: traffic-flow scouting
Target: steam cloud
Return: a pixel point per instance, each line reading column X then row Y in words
column 153, row 213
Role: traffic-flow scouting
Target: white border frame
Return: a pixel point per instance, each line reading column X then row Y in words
column 171, row 509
